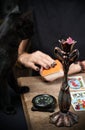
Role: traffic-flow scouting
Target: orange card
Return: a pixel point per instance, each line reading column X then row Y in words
column 57, row 68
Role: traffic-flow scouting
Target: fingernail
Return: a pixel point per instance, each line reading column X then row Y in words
column 37, row 69
column 47, row 67
column 53, row 64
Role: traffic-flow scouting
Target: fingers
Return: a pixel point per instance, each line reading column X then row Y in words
column 36, row 58
column 27, row 60
column 33, row 66
column 43, row 60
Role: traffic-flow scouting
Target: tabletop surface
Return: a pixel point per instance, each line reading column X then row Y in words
column 40, row 120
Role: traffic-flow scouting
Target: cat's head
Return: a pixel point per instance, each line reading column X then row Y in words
column 17, row 23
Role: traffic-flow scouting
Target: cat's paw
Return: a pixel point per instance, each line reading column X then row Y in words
column 22, row 90
column 9, row 110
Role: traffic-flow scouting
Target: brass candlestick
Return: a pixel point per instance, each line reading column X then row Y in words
column 66, row 55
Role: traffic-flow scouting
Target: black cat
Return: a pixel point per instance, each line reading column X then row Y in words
column 15, row 27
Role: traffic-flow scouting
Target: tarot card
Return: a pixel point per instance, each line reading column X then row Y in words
column 78, row 100
column 76, row 83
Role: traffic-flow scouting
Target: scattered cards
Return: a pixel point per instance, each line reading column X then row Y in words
column 77, row 91
column 76, row 83
column 78, row 100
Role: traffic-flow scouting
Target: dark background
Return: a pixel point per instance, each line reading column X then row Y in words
column 46, row 25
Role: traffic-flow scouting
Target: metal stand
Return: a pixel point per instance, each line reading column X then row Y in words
column 66, row 55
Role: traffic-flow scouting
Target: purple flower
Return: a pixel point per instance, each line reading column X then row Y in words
column 67, row 45
column 70, row 41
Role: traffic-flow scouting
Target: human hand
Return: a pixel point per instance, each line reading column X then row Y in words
column 82, row 65
column 36, row 58
column 77, row 67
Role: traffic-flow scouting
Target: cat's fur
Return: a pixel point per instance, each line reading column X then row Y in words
column 15, row 27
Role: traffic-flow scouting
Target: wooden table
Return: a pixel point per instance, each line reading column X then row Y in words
column 40, row 120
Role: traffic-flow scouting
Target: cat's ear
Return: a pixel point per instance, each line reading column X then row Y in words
column 14, row 13
column 15, row 10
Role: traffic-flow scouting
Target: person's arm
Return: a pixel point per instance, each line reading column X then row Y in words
column 22, row 46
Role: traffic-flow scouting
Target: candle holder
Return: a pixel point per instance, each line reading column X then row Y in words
column 66, row 55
